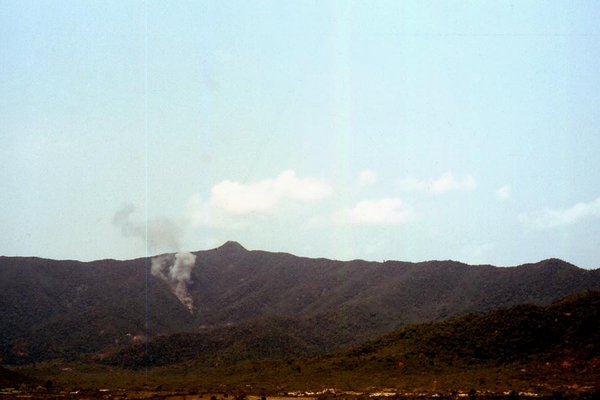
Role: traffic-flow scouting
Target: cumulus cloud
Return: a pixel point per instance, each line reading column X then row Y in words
column 239, row 198
column 386, row 211
column 201, row 213
column 503, row 193
column 235, row 206
column 366, row 177
column 548, row 218
column 444, row 183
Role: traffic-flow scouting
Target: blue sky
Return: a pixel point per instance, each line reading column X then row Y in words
column 408, row 130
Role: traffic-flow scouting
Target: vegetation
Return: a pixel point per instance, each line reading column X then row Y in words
column 14, row 379
column 66, row 309
column 542, row 351
column 263, row 323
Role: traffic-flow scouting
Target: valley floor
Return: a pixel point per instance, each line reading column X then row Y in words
column 106, row 394
column 82, row 381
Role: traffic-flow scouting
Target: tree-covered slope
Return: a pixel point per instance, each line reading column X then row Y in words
column 63, row 309
column 525, row 347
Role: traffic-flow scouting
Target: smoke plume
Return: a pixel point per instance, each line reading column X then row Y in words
column 178, row 275
column 161, row 234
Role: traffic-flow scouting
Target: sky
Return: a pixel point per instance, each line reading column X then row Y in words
column 388, row 130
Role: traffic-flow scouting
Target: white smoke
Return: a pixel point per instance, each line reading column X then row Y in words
column 178, row 275
column 161, row 233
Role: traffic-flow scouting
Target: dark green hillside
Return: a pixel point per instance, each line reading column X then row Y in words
column 362, row 300
column 552, row 351
column 243, row 284
column 569, row 328
column 524, row 343
column 12, row 379
column 529, row 348
column 66, row 309
column 273, row 338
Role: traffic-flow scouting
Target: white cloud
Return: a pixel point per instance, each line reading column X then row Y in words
column 239, row 198
column 201, row 213
column 366, row 177
column 548, row 218
column 444, row 183
column 234, row 205
column 387, row 211
column 503, row 193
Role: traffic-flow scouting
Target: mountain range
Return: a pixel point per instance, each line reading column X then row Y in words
column 302, row 307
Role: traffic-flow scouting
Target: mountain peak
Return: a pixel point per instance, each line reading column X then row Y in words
column 231, row 246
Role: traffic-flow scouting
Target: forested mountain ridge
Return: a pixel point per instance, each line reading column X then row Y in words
column 51, row 308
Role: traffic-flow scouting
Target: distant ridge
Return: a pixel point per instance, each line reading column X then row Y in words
column 52, row 308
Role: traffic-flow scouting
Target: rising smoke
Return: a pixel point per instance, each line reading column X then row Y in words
column 178, row 275
column 161, row 234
